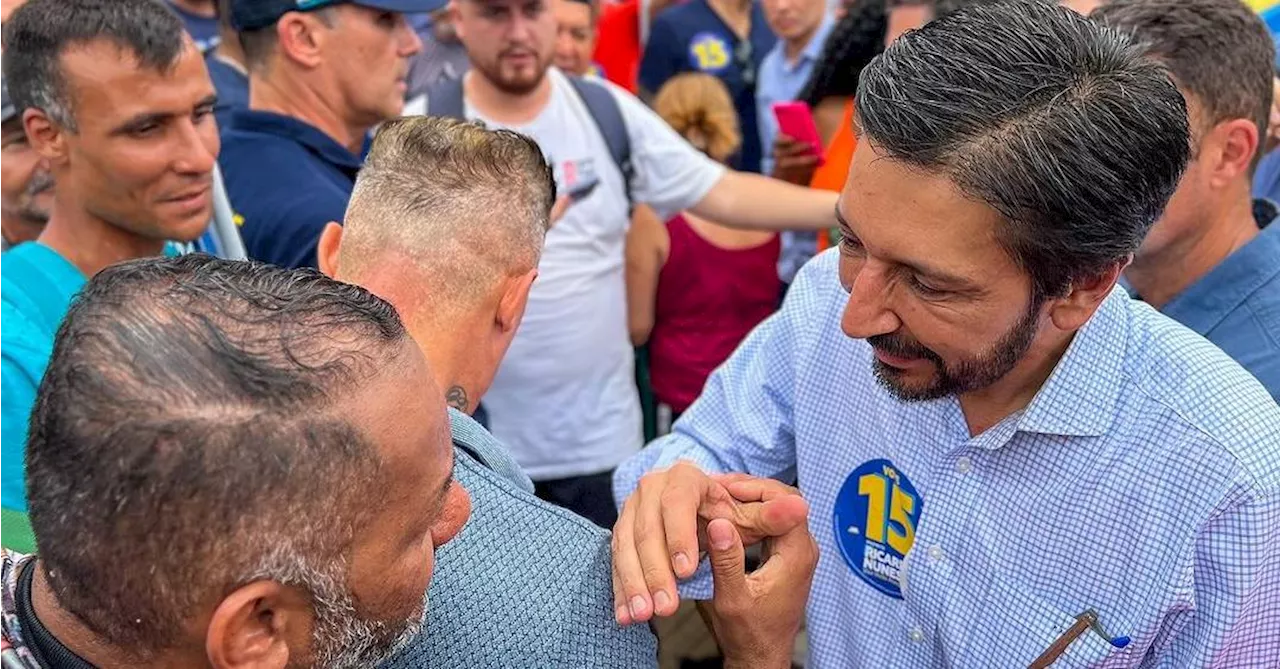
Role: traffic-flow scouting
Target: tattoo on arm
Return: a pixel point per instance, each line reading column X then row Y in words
column 456, row 397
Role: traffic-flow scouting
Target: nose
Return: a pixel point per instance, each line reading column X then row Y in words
column 199, row 146
column 410, row 43
column 867, row 313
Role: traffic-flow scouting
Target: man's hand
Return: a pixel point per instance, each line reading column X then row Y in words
column 793, row 161
column 662, row 529
column 756, row 616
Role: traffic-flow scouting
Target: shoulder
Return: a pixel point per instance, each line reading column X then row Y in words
column 517, row 552
column 1181, row 384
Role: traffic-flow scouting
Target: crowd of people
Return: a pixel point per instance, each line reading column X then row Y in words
column 335, row 333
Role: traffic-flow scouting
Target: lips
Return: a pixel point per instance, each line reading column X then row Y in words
column 893, row 360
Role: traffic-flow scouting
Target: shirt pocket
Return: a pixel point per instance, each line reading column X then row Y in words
column 1014, row 627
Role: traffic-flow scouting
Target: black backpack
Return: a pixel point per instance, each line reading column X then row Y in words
column 446, row 99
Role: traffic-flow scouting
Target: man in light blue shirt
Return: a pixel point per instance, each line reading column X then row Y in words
column 802, row 27
column 1211, row 262
column 994, row 440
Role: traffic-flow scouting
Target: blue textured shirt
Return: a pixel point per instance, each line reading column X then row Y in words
column 1237, row 307
column 1141, row 481
column 524, row 584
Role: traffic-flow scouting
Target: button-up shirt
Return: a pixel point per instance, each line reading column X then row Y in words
column 781, row 81
column 1237, row 304
column 1142, row 481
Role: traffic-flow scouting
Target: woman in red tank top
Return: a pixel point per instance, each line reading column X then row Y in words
column 695, row 289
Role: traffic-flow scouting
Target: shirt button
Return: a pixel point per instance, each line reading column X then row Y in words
column 935, row 554
column 963, row 465
column 916, row 634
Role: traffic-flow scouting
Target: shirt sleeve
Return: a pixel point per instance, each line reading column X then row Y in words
column 1236, row 576
column 743, row 421
column 670, row 175
column 660, row 60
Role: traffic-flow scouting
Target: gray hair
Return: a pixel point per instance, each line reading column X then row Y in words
column 190, row 425
column 40, row 31
column 1059, row 124
column 468, row 204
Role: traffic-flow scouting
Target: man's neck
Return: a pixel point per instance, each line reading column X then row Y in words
column 282, row 96
column 1162, row 275
column 451, row 358
column 792, row 48
column 984, row 408
column 736, row 14
column 501, row 106
column 73, row 634
column 90, row 243
column 229, row 51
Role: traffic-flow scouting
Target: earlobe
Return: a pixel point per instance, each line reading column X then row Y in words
column 514, row 298
column 252, row 628
column 1071, row 312
column 327, row 249
column 45, row 136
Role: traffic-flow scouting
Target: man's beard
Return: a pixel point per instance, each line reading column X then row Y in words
column 965, row 376
column 40, row 182
column 509, row 85
column 341, row 639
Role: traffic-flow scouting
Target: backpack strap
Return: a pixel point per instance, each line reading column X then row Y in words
column 604, row 110
column 445, row 99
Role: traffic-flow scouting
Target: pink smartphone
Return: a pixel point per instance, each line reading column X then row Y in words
column 796, row 121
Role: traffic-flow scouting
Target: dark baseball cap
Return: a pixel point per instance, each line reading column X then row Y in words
column 254, row 14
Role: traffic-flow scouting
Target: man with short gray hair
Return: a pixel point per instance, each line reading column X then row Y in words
column 220, row 476
column 447, row 222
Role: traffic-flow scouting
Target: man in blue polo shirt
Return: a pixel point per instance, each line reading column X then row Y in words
column 130, row 139
column 319, row 78
column 1212, row 262
column 724, row 38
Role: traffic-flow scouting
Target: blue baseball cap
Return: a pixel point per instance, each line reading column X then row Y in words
column 254, row 14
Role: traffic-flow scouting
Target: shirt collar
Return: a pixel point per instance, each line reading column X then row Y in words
column 1080, row 397
column 811, row 52
column 1204, row 304
column 309, row 136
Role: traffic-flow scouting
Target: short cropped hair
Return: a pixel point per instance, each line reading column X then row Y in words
column 1059, row 124
column 467, row 203
column 190, row 437
column 1218, row 51
column 39, row 32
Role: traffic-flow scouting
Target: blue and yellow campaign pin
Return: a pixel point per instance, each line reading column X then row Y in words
column 875, row 523
column 594, row 70
column 709, row 52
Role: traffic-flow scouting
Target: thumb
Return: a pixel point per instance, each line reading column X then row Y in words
column 772, row 518
column 728, row 562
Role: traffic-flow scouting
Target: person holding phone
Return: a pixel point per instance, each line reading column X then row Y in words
column 696, row 288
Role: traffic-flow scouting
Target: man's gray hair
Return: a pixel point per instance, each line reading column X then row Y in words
column 467, row 204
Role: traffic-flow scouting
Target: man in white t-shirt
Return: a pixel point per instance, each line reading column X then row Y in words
column 564, row 400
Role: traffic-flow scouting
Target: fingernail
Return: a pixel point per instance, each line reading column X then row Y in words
column 622, row 615
column 661, row 600
column 721, row 535
column 681, row 561
column 637, row 606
